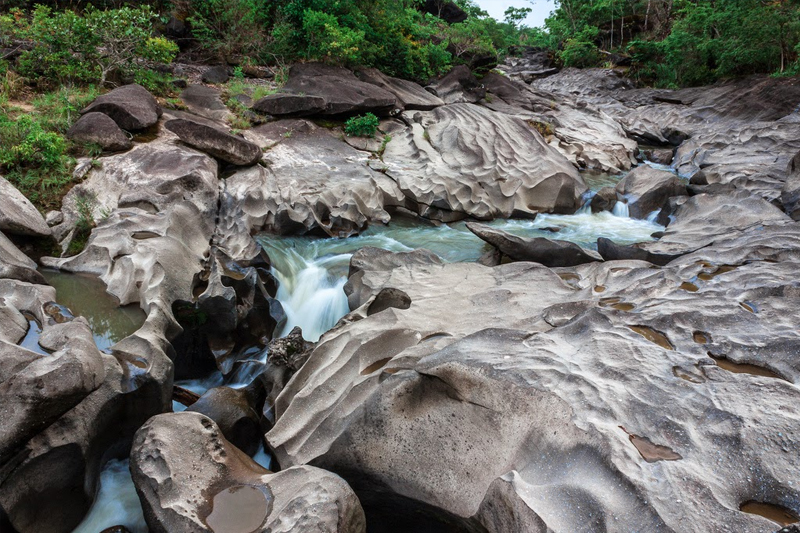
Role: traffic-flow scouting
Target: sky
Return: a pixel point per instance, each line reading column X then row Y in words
column 541, row 9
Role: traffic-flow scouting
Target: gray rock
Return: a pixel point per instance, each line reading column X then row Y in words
column 235, row 411
column 99, row 129
column 548, row 252
column 190, row 479
column 132, row 107
column 311, row 181
column 790, row 194
column 464, row 160
column 604, row 200
column 18, row 216
column 458, row 86
column 53, row 218
column 409, row 95
column 214, row 141
column 205, row 102
column 550, row 382
column 281, row 104
column 216, row 75
column 341, row 91
column 646, row 189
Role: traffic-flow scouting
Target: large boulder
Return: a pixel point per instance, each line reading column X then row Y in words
column 464, row 160
column 18, row 216
column 16, row 265
column 205, row 102
column 214, row 141
column 97, row 128
column 409, row 95
column 236, row 412
column 311, row 182
column 340, row 90
column 582, row 414
column 458, row 86
column 646, row 189
column 551, row 253
column 191, row 479
column 131, row 106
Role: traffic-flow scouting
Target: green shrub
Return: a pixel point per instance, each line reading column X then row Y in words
column 230, row 29
column 361, row 126
column 92, row 46
column 581, row 51
column 329, row 41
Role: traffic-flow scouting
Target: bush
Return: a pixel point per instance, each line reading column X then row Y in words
column 230, row 29
column 90, row 48
column 329, row 41
column 581, row 51
column 361, row 126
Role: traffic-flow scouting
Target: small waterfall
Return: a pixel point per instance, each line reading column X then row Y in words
column 621, row 210
column 117, row 503
column 311, row 290
column 652, row 217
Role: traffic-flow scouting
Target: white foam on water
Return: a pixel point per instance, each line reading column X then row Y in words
column 621, row 210
column 116, row 504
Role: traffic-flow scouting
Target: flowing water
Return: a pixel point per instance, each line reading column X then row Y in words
column 312, row 273
column 117, row 503
column 86, row 296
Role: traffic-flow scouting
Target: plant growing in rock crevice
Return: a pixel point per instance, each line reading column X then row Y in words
column 361, row 126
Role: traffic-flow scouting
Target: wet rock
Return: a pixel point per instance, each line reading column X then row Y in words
column 79, row 404
column 311, row 182
column 100, row 129
column 236, row 412
column 646, row 189
column 548, row 252
column 215, row 142
column 604, row 200
column 285, row 357
column 611, row 251
column 409, row 95
column 132, row 107
column 458, row 86
column 464, row 160
column 662, row 156
column 18, row 216
column 205, row 102
column 190, row 478
column 216, row 75
column 342, row 92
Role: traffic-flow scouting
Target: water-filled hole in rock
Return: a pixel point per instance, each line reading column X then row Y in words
column 653, row 336
column 776, row 513
column 687, row 286
column 239, row 509
column 701, row 337
column 709, row 275
column 743, row 368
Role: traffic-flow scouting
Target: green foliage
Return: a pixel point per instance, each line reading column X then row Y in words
column 361, row 126
column 230, row 29
column 90, row 47
column 328, row 40
column 580, row 50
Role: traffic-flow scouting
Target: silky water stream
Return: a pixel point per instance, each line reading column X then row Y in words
column 312, row 273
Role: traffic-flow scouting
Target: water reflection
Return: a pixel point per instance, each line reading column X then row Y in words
column 86, row 296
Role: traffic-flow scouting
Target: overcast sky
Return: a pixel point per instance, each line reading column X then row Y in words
column 541, row 9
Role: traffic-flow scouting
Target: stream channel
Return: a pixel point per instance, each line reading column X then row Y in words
column 312, row 273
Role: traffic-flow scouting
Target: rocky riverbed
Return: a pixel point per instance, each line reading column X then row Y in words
column 541, row 301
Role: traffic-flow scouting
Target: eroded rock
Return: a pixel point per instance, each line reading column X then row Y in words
column 132, row 107
column 190, row 479
column 98, row 128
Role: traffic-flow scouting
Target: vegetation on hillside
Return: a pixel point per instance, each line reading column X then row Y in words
column 676, row 43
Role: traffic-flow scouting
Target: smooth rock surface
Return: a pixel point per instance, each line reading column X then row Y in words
column 100, row 129
column 548, row 252
column 589, row 389
column 464, row 160
column 646, row 189
column 18, row 216
column 216, row 142
column 132, row 107
column 190, row 479
column 409, row 95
